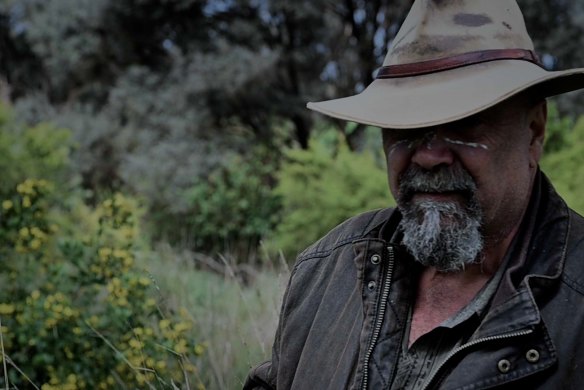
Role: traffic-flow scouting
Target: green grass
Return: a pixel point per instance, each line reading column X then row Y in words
column 236, row 320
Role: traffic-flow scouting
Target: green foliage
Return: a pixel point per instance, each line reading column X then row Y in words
column 319, row 190
column 38, row 152
column 235, row 207
column 76, row 311
column 558, row 130
column 565, row 167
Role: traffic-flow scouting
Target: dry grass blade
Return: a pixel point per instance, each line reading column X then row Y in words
column 20, row 372
column 4, row 356
column 117, row 351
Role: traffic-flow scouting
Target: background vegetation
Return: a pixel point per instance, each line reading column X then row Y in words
column 160, row 171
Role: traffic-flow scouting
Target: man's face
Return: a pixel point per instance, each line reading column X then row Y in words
column 465, row 185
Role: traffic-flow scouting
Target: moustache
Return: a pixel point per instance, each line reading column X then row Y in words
column 442, row 179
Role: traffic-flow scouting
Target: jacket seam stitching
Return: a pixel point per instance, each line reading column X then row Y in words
column 328, row 251
column 325, row 253
column 572, row 284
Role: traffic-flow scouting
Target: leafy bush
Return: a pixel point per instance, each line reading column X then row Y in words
column 319, row 190
column 39, row 152
column 235, row 207
column 558, row 130
column 565, row 166
column 76, row 311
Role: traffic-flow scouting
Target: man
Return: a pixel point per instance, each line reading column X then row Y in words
column 477, row 279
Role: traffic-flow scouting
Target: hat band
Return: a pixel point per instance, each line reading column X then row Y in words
column 457, row 61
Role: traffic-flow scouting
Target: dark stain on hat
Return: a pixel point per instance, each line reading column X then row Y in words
column 511, row 39
column 472, row 20
column 507, row 25
column 442, row 3
column 428, row 46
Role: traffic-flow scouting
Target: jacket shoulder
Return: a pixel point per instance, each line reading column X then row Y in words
column 345, row 233
column 573, row 274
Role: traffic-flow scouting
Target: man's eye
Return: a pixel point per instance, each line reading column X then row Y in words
column 466, row 125
column 405, row 135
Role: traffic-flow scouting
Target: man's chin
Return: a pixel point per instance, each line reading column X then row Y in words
column 440, row 234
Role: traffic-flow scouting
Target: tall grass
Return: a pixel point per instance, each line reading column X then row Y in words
column 235, row 314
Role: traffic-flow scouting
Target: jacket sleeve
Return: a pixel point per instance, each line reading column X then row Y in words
column 258, row 378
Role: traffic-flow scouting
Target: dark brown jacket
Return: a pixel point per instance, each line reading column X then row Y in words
column 346, row 305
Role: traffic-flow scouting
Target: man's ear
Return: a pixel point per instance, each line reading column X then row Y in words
column 537, row 126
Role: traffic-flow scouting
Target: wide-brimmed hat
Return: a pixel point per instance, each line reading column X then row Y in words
column 449, row 60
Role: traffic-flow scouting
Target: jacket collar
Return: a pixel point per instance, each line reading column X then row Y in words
column 534, row 261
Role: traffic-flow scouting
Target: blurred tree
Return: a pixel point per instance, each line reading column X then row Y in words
column 557, row 29
column 160, row 94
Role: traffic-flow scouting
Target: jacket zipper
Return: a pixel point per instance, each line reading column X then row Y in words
column 379, row 319
column 468, row 345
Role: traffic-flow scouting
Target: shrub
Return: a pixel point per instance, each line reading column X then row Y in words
column 319, row 190
column 76, row 311
column 235, row 207
column 38, row 152
column 565, row 166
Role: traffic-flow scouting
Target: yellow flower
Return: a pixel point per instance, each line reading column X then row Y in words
column 128, row 261
column 164, row 324
column 181, row 347
column 120, row 253
column 50, row 322
column 36, row 294
column 93, row 320
column 199, row 349
column 24, row 232
column 122, row 302
column 135, row 344
column 35, row 231
column 7, row 204
column 104, row 252
column 35, row 244
column 6, row 308
column 26, row 203
column 182, row 326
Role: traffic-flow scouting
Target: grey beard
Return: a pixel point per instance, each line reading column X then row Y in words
column 444, row 235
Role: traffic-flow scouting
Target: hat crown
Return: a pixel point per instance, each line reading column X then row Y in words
column 443, row 28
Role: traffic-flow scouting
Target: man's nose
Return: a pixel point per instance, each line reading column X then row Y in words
column 432, row 152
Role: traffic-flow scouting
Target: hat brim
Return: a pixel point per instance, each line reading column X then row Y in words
column 437, row 98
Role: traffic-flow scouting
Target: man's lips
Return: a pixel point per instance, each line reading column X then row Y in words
column 445, row 196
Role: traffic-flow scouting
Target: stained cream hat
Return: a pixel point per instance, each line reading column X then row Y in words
column 451, row 59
